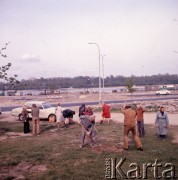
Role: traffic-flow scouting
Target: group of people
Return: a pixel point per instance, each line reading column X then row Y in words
column 87, row 122
column 35, row 119
column 62, row 115
column 131, row 119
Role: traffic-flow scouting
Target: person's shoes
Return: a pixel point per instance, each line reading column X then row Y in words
column 81, row 146
column 93, row 145
column 101, row 122
column 140, row 149
column 63, row 127
column 125, row 149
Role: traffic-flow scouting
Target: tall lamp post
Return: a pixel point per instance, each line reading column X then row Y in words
column 99, row 69
column 103, row 70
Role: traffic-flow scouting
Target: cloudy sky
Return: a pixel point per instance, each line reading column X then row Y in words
column 49, row 38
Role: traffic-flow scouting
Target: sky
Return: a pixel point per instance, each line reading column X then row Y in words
column 50, row 38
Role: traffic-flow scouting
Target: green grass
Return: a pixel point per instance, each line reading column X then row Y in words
column 59, row 151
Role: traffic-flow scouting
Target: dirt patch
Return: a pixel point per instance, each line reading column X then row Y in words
column 19, row 171
column 107, row 148
column 14, row 135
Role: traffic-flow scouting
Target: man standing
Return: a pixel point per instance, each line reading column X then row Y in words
column 35, row 120
column 140, row 120
column 130, row 125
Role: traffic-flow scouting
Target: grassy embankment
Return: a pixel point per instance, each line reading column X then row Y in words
column 59, row 152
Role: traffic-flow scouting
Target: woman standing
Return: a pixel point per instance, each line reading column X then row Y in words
column 106, row 113
column 162, row 123
column 59, row 116
column 25, row 120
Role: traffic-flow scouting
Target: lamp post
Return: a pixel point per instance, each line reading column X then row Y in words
column 103, row 70
column 99, row 69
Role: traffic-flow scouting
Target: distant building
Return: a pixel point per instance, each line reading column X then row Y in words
column 168, row 87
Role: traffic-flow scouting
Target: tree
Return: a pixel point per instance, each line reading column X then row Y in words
column 3, row 69
column 129, row 85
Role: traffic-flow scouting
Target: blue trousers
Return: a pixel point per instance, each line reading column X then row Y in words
column 140, row 126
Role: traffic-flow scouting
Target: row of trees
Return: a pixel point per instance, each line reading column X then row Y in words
column 86, row 82
column 79, row 81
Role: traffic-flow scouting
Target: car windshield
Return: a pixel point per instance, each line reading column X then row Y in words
column 46, row 105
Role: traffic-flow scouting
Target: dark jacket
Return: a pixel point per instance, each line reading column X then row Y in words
column 67, row 113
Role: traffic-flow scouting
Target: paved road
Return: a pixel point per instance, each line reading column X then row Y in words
column 5, row 109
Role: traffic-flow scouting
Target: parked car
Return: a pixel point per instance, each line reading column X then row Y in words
column 162, row 92
column 46, row 110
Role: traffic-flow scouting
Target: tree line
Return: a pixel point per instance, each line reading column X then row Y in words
column 86, row 82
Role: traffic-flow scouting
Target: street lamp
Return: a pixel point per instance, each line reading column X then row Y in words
column 103, row 69
column 99, row 70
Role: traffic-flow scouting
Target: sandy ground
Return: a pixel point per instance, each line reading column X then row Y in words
column 149, row 118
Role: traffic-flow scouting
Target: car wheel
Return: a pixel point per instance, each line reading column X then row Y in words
column 20, row 117
column 52, row 118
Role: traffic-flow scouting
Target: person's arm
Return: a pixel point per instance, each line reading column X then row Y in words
column 167, row 121
column 123, row 111
column 32, row 111
column 156, row 119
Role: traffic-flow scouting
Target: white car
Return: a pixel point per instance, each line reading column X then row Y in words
column 163, row 92
column 46, row 110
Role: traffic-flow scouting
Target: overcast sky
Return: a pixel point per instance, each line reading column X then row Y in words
column 49, row 38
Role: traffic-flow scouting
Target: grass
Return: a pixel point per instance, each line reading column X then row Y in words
column 59, row 152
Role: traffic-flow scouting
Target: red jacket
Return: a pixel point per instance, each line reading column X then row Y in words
column 106, row 111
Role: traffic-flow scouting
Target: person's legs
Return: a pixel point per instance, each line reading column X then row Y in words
column 108, row 120
column 82, row 137
column 63, row 124
column 142, row 128
column 139, row 127
column 28, row 126
column 33, row 126
column 92, row 142
column 25, row 127
column 38, row 126
column 136, row 138
column 102, row 120
column 126, row 132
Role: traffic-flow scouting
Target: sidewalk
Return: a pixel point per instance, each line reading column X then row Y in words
column 149, row 118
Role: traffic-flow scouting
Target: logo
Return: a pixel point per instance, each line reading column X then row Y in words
column 114, row 170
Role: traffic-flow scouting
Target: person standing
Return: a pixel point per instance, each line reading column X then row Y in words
column 140, row 120
column 35, row 119
column 106, row 113
column 59, row 116
column 162, row 123
column 130, row 125
column 25, row 120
